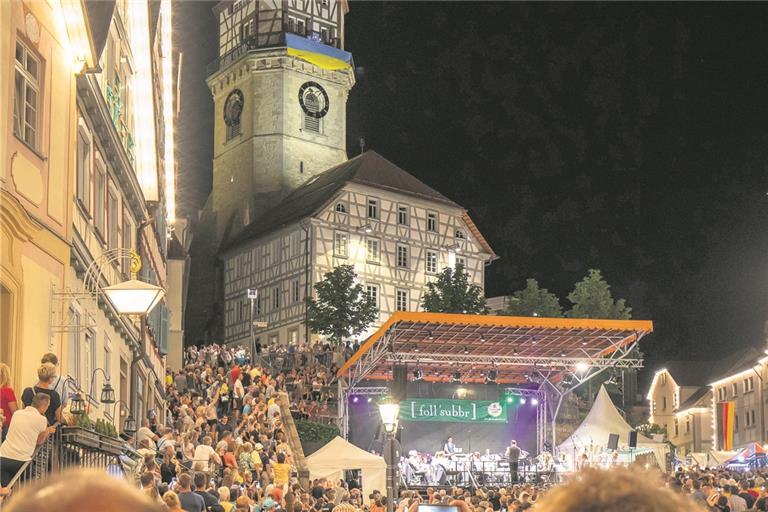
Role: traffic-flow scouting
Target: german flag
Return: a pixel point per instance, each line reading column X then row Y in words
column 725, row 419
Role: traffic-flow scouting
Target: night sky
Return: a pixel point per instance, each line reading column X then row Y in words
column 626, row 137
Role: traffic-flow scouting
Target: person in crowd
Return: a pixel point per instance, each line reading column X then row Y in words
column 81, row 490
column 172, row 502
column 29, row 428
column 8, row 403
column 46, row 374
column 190, row 501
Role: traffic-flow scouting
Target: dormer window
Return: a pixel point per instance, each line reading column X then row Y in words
column 460, row 234
column 341, row 208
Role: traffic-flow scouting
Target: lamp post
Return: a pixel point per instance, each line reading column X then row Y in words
column 129, row 425
column 77, row 402
column 389, row 411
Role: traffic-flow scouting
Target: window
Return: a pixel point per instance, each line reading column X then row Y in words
column 401, row 300
column 26, row 100
column 300, row 27
column 402, row 256
column 373, row 208
column 721, row 394
column 664, row 403
column 90, row 346
column 341, row 208
column 274, row 340
column 461, row 261
column 431, row 267
column 341, row 245
column 735, row 388
column 233, row 129
column 677, row 427
column 323, row 30
column 112, row 220
column 73, row 345
column 127, row 240
column 402, row 215
column 687, row 425
column 749, row 384
column 311, row 124
column 432, row 222
column 293, row 336
column 372, row 254
column 460, row 234
column 663, row 379
column 107, row 357
column 84, row 170
column 296, row 291
column 735, row 422
column 372, row 290
column 752, row 417
column 100, row 194
column 276, row 297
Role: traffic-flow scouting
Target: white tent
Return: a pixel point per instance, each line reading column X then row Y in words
column 717, row 458
column 338, row 455
column 604, row 419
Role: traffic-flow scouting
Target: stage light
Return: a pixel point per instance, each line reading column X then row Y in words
column 522, row 401
column 482, row 337
column 415, row 348
column 429, row 335
column 514, row 351
column 510, row 399
column 583, row 341
column 355, row 399
column 534, row 401
column 562, row 354
column 466, row 350
column 582, row 366
column 491, row 378
column 456, row 377
column 370, row 399
column 418, row 374
column 461, row 393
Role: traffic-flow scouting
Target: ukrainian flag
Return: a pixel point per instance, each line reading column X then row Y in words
column 319, row 54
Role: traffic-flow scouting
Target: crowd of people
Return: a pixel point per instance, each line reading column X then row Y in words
column 223, row 447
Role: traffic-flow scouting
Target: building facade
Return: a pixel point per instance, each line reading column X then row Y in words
column 743, row 390
column 101, row 148
column 40, row 56
column 397, row 239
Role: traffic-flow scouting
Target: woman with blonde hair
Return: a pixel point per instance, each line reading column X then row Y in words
column 8, row 403
column 45, row 374
column 171, row 500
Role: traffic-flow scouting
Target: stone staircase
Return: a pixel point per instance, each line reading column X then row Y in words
column 293, row 440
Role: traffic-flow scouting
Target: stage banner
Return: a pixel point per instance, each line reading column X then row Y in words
column 423, row 409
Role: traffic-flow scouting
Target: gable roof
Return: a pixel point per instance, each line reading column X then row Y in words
column 697, row 395
column 369, row 168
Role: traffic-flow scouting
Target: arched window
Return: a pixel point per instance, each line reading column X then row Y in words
column 341, row 208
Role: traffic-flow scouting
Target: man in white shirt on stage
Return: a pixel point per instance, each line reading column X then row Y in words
column 449, row 448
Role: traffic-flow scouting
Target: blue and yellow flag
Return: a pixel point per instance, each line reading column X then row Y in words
column 317, row 53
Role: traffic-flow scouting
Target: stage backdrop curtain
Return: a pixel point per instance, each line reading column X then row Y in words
column 604, row 419
column 338, row 455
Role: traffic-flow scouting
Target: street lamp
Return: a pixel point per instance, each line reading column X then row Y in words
column 129, row 425
column 107, row 391
column 134, row 297
column 389, row 411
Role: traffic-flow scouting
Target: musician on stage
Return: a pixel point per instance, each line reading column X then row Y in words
column 449, row 448
column 513, row 452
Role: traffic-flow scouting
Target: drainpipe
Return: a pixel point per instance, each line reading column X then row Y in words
column 761, row 438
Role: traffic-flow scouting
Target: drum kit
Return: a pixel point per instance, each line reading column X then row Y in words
column 464, row 469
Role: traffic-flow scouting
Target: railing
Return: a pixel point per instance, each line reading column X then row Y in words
column 77, row 447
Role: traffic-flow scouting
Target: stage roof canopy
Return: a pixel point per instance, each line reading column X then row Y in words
column 516, row 348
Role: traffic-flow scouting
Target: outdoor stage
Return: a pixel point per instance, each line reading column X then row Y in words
column 519, row 369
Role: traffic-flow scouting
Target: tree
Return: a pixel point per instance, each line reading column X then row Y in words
column 453, row 293
column 342, row 308
column 533, row 301
column 591, row 298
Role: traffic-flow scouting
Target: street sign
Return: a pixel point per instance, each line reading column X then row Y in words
column 253, row 293
column 259, row 325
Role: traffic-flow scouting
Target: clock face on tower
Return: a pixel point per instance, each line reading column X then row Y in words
column 313, row 99
column 233, row 107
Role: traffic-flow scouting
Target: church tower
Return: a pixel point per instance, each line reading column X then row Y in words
column 280, row 87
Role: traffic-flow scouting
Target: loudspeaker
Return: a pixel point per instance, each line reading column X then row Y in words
column 632, row 439
column 613, row 441
column 398, row 388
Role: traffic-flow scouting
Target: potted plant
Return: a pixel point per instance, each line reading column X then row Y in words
column 81, row 432
column 108, row 440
